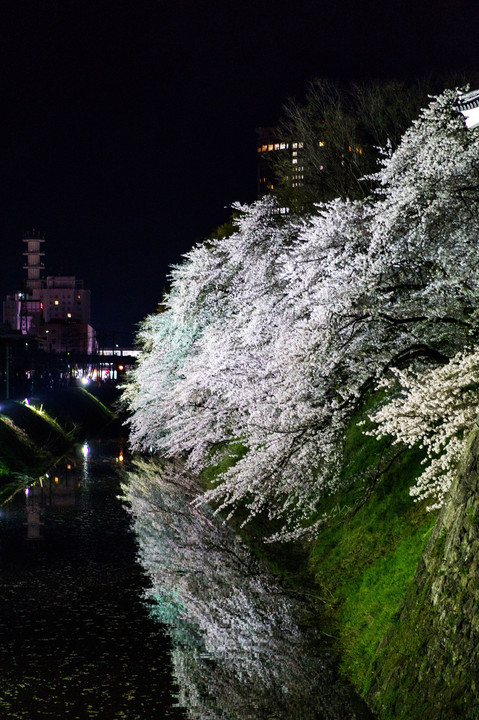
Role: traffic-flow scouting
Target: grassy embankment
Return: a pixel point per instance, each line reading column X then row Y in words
column 34, row 435
column 363, row 558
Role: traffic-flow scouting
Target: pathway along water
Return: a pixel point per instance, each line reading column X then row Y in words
column 79, row 641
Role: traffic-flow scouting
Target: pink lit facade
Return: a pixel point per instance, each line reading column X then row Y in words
column 56, row 310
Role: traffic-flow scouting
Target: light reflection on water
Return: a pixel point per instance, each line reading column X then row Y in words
column 76, row 639
column 243, row 648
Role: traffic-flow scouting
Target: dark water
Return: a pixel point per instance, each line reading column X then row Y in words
column 159, row 612
column 76, row 638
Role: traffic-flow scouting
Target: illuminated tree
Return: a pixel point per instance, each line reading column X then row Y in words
column 271, row 336
column 435, row 409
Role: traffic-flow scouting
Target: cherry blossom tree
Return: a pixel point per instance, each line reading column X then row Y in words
column 271, row 336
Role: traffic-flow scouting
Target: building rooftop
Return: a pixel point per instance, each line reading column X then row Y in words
column 468, row 105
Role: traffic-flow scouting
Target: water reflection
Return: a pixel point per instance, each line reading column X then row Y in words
column 77, row 640
column 48, row 491
column 243, row 648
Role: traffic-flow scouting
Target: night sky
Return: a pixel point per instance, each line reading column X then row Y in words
column 128, row 127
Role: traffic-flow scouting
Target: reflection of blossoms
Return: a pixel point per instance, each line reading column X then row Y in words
column 238, row 649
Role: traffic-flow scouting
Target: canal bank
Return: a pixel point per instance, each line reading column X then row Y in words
column 384, row 570
column 199, row 629
column 36, row 431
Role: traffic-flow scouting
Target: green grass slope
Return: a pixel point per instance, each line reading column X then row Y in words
column 33, row 436
column 364, row 558
column 18, row 453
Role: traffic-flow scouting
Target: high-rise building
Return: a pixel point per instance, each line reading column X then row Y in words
column 269, row 143
column 56, row 309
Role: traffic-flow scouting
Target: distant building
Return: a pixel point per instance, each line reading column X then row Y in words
column 55, row 310
column 269, row 142
column 293, row 157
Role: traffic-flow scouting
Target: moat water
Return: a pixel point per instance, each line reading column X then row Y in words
column 119, row 600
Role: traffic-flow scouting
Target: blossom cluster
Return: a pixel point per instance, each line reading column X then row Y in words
column 434, row 410
column 270, row 337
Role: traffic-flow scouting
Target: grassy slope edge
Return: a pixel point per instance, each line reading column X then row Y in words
column 32, row 436
column 362, row 561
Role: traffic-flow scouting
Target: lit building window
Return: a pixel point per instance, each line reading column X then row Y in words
column 270, row 147
column 295, row 145
column 295, row 161
column 56, row 302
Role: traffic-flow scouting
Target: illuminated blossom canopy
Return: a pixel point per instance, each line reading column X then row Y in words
column 270, row 338
column 435, row 410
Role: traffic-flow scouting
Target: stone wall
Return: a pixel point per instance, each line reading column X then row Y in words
column 428, row 665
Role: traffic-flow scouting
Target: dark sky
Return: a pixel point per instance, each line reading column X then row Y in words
column 128, row 126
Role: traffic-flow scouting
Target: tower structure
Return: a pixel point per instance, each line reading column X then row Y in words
column 34, row 265
column 55, row 310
